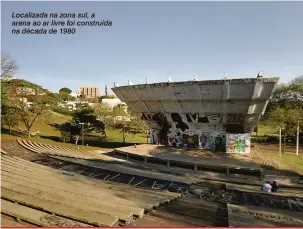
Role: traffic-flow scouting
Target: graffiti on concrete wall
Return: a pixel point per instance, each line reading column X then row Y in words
column 175, row 137
column 235, row 118
column 238, row 143
column 178, row 119
column 211, row 141
column 196, row 118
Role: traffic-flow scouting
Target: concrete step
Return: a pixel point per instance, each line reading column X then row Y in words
column 84, row 216
column 34, row 216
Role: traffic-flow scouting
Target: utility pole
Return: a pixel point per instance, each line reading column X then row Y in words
column 280, row 141
column 298, row 133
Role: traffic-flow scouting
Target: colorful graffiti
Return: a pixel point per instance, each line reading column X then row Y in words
column 175, row 139
column 211, row 141
column 238, row 143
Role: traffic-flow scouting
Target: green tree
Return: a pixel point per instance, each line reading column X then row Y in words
column 26, row 100
column 66, row 90
column 9, row 118
column 129, row 123
column 100, row 98
column 138, row 126
column 287, row 119
column 124, row 126
column 72, row 130
column 64, row 96
column 287, row 95
column 119, row 110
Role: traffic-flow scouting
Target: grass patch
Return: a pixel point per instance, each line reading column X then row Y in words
column 49, row 135
column 287, row 160
column 265, row 129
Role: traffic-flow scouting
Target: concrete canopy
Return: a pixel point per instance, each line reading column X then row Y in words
column 223, row 106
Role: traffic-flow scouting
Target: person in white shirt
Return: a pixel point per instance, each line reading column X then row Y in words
column 266, row 187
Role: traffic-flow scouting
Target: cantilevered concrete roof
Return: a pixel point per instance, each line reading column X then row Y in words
column 231, row 98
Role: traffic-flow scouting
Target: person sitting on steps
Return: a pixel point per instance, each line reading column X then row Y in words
column 266, row 187
column 274, row 186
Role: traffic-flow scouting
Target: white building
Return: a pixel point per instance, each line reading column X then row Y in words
column 113, row 102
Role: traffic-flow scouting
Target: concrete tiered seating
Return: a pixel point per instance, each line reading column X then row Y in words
column 196, row 161
column 98, row 161
column 249, row 216
column 81, row 199
column 54, row 150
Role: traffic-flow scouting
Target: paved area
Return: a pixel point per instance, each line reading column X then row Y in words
column 192, row 155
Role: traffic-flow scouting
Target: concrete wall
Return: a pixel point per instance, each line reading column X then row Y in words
column 199, row 110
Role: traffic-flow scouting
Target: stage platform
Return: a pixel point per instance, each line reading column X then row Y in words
column 191, row 159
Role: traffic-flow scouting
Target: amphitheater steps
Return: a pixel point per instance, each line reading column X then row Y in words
column 9, row 221
column 90, row 181
column 184, row 212
column 32, row 215
column 97, row 203
column 128, row 170
column 16, row 172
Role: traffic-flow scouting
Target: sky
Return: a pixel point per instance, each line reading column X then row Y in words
column 157, row 40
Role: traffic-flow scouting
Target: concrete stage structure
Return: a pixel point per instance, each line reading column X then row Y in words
column 217, row 115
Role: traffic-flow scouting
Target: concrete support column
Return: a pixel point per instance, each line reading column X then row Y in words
column 168, row 164
column 195, row 168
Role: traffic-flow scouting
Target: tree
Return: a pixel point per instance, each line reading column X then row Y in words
column 111, row 97
column 72, row 130
column 124, row 126
column 287, row 95
column 8, row 66
column 130, row 123
column 119, row 110
column 138, row 126
column 104, row 113
column 26, row 100
column 106, row 97
column 64, row 96
column 287, row 119
column 9, row 118
column 66, row 90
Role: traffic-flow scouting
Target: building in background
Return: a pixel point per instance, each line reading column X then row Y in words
column 113, row 102
column 89, row 92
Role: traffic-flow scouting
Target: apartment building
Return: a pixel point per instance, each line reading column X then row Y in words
column 89, row 92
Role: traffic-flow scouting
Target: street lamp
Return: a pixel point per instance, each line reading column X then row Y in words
column 82, row 124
